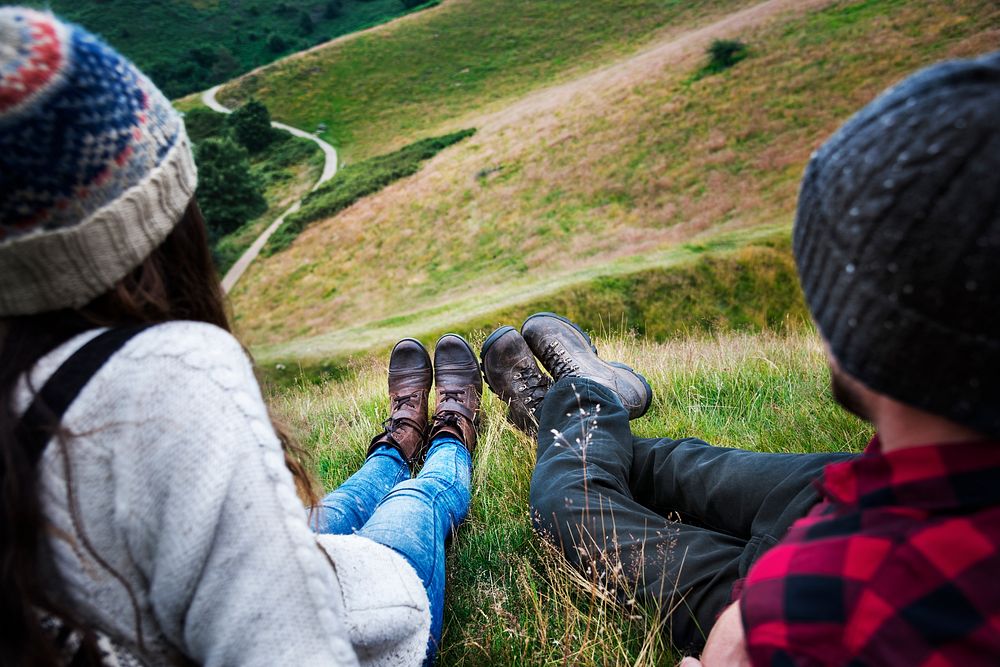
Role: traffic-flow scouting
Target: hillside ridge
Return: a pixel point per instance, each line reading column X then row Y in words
column 676, row 50
column 607, row 174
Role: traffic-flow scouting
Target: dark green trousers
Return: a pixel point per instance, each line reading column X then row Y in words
column 668, row 522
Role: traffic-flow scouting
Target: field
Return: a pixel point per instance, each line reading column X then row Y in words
column 378, row 90
column 360, row 180
column 607, row 180
column 633, row 167
column 510, row 600
column 199, row 43
column 610, row 178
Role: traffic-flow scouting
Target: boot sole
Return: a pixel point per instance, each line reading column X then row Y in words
column 565, row 321
column 642, row 379
column 487, row 344
column 493, row 337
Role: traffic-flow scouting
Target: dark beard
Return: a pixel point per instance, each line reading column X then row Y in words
column 847, row 396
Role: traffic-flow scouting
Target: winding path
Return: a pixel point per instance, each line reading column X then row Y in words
column 329, row 170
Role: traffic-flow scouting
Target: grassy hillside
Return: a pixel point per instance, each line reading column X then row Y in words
column 737, row 282
column 379, row 90
column 360, row 180
column 188, row 45
column 509, row 600
column 614, row 173
column 644, row 197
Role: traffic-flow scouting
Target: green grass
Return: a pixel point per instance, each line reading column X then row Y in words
column 379, row 90
column 359, row 180
column 512, row 601
column 617, row 179
column 188, row 45
column 735, row 283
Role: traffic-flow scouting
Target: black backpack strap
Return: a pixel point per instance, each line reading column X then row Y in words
column 42, row 417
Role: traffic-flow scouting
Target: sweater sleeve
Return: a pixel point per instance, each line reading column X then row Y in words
column 234, row 574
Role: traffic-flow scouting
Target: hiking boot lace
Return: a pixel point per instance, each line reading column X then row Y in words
column 404, row 401
column 532, row 387
column 559, row 362
column 392, row 424
column 455, row 395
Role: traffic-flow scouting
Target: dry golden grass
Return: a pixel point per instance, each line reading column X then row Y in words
column 634, row 161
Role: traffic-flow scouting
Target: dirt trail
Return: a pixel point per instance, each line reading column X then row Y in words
column 678, row 51
column 329, row 171
column 675, row 50
column 669, row 51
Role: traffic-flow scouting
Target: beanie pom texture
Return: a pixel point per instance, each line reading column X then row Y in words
column 95, row 166
column 897, row 241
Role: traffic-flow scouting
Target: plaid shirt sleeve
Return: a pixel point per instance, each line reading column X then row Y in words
column 899, row 564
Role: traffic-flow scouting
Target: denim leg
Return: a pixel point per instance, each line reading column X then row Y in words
column 346, row 509
column 419, row 514
column 581, row 501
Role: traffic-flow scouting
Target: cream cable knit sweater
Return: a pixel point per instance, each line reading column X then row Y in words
column 175, row 526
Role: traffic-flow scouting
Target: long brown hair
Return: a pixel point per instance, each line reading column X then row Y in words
column 178, row 281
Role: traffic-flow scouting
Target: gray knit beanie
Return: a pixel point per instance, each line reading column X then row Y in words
column 897, row 241
column 95, row 166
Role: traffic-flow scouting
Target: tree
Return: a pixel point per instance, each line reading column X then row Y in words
column 724, row 53
column 228, row 192
column 203, row 123
column 332, row 9
column 276, row 43
column 251, row 125
column 225, row 65
column 204, row 56
column 306, row 25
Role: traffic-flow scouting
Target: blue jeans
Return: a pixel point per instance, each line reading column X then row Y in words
column 412, row 516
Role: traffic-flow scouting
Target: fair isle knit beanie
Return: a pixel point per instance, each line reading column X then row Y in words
column 95, row 166
column 897, row 241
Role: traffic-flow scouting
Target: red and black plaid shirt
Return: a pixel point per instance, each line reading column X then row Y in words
column 899, row 564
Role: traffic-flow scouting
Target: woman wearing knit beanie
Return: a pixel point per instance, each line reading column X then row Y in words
column 147, row 500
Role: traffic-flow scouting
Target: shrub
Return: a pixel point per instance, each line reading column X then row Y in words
column 306, row 25
column 359, row 180
column 204, row 56
column 228, row 193
column 332, row 9
column 276, row 43
column 203, row 123
column 251, row 125
column 723, row 54
column 226, row 64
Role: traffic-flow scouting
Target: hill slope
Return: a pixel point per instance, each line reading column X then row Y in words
column 379, row 90
column 189, row 45
column 612, row 173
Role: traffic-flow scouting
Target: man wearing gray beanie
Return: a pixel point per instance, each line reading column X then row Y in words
column 885, row 558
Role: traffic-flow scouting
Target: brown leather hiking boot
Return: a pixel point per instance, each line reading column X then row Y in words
column 409, row 386
column 513, row 374
column 459, row 386
column 566, row 351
